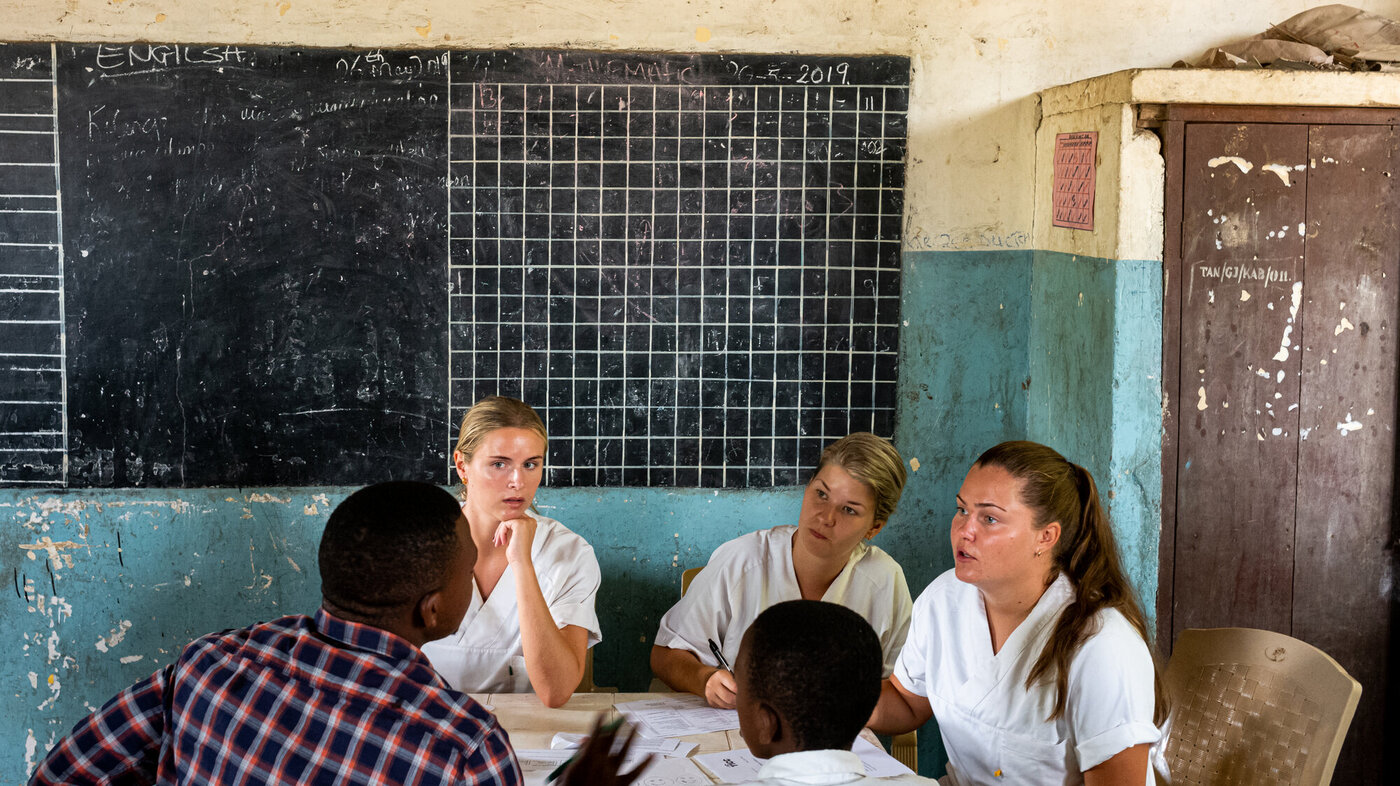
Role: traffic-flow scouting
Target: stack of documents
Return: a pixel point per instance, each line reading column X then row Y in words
column 678, row 716
column 640, row 744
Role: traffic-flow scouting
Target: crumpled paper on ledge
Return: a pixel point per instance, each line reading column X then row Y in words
column 1332, row 37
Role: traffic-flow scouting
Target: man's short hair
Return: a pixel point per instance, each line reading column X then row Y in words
column 819, row 665
column 386, row 546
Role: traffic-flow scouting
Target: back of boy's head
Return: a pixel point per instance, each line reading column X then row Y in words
column 387, row 545
column 819, row 665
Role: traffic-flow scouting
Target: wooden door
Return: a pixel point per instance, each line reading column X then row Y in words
column 1283, row 253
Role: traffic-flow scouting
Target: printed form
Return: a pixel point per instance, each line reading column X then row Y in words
column 681, row 716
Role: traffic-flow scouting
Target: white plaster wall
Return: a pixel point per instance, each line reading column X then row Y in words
column 978, row 64
column 1128, row 185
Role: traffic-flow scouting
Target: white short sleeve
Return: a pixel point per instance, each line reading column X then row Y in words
column 894, row 629
column 1111, row 693
column 569, row 579
column 704, row 612
column 911, row 668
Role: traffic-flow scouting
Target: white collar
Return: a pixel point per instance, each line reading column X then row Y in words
column 807, row 763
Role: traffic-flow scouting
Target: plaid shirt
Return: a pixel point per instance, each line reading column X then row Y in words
column 296, row 700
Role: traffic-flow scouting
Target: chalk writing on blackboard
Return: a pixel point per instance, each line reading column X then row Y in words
column 256, row 242
column 230, row 265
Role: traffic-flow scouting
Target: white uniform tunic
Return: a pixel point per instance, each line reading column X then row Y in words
column 754, row 571
column 994, row 729
column 824, row 768
column 484, row 655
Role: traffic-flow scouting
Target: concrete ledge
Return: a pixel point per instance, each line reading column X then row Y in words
column 1211, row 86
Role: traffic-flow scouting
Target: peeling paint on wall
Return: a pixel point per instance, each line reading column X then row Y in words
column 31, row 749
column 55, row 691
column 47, row 545
column 1282, row 170
column 1244, row 166
column 1349, row 425
column 114, row 636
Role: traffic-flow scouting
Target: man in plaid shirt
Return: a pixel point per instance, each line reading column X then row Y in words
column 342, row 697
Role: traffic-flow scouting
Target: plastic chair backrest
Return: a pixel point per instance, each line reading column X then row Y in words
column 688, row 575
column 1254, row 706
column 586, row 685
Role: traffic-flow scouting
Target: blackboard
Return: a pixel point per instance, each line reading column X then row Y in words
column 227, row 265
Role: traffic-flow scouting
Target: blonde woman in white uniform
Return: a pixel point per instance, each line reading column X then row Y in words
column 531, row 619
column 1032, row 652
column 825, row 557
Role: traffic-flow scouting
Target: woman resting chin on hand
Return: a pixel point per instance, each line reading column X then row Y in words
column 531, row 618
column 1032, row 651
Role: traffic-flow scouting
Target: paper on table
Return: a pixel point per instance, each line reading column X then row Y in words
column 678, row 716
column 736, row 766
column 640, row 744
column 878, row 763
column 741, row 766
column 536, row 765
column 673, row 772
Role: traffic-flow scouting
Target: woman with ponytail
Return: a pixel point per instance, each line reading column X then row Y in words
column 1032, row 651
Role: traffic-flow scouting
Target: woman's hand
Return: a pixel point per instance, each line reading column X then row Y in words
column 721, row 689
column 683, row 671
column 554, row 656
column 517, row 535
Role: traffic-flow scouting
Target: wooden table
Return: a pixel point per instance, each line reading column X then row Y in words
column 532, row 725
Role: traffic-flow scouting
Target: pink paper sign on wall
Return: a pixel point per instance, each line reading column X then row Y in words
column 1073, row 199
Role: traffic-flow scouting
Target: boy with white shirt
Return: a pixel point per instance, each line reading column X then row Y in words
column 808, row 676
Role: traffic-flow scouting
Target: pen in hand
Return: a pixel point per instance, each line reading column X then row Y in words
column 719, row 656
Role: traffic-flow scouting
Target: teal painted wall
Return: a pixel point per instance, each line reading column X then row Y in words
column 963, row 375
column 109, row 585
column 1096, row 392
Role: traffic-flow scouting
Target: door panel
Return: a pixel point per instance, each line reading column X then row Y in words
column 1245, row 191
column 1341, row 592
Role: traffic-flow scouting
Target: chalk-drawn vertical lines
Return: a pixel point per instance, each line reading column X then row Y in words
column 450, row 288
column 58, row 233
column 33, row 415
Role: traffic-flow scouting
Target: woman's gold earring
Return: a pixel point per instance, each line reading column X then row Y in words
column 1037, row 552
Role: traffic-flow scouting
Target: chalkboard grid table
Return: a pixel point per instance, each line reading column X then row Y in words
column 691, row 264
column 33, row 437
